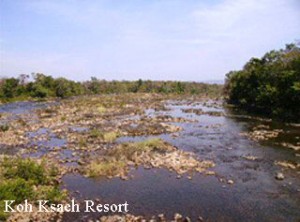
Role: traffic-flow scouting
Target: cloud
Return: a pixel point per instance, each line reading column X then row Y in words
column 183, row 40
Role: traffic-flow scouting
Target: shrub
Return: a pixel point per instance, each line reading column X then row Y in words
column 17, row 190
column 4, row 127
column 22, row 179
column 25, row 169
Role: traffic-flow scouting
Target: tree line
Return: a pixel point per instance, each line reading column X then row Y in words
column 269, row 85
column 45, row 86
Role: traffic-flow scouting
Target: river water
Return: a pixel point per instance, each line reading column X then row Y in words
column 255, row 195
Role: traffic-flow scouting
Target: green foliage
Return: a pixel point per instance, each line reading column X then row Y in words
column 25, row 169
column 9, row 87
column 44, row 86
column 95, row 133
column 268, row 86
column 17, row 190
column 103, row 168
column 22, row 179
column 39, row 91
column 4, row 127
column 127, row 150
column 63, row 88
column 93, row 86
column 108, row 137
column 141, row 86
column 51, row 193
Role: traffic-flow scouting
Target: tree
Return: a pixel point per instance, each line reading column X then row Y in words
column 9, row 87
column 268, row 86
column 62, row 88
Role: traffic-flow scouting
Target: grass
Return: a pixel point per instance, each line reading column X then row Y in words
column 105, row 168
column 15, row 99
column 95, row 133
column 63, row 118
column 116, row 160
column 22, row 179
column 101, row 109
column 82, row 143
column 108, row 137
column 127, row 150
column 152, row 152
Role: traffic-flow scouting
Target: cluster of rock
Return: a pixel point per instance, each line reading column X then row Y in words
column 160, row 218
column 35, row 216
column 150, row 154
column 295, row 147
column 262, row 132
column 287, row 164
column 202, row 112
column 148, row 128
column 179, row 161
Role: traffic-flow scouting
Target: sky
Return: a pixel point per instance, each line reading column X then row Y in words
column 186, row 40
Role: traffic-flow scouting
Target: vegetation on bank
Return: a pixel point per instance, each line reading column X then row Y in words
column 269, row 85
column 44, row 86
column 22, row 179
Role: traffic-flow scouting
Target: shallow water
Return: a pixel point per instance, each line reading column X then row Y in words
column 23, row 107
column 255, row 195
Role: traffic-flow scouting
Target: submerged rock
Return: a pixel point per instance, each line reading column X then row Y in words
column 259, row 134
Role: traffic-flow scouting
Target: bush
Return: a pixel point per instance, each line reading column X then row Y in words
column 17, row 190
column 22, row 179
column 4, row 127
column 25, row 169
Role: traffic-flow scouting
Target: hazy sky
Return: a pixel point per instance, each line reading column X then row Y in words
column 148, row 39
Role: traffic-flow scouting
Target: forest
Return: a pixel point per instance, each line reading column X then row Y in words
column 38, row 85
column 269, row 86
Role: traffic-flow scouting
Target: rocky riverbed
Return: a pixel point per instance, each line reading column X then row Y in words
column 170, row 155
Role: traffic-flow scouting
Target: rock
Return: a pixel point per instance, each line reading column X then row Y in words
column 178, row 217
column 210, row 173
column 187, row 219
column 279, row 176
column 161, row 217
column 230, row 182
column 249, row 157
column 286, row 164
column 123, row 177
